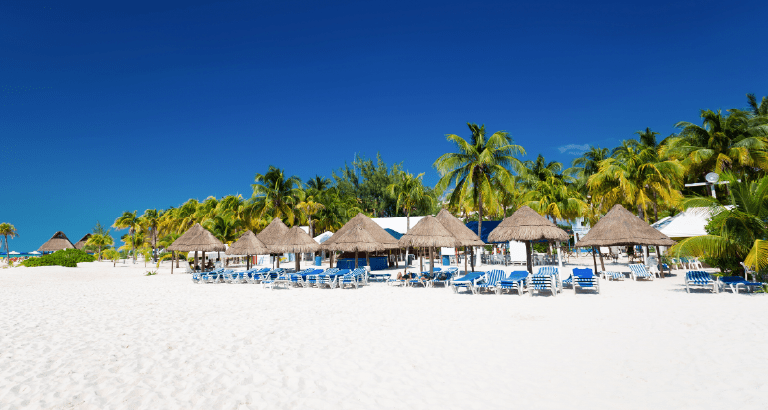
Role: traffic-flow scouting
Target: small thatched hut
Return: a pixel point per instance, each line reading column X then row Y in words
column 460, row 231
column 527, row 225
column 272, row 235
column 374, row 230
column 81, row 243
column 620, row 227
column 296, row 241
column 248, row 245
column 57, row 242
column 196, row 239
column 356, row 239
column 429, row 233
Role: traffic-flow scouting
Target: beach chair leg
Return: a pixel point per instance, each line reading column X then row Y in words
column 686, row 288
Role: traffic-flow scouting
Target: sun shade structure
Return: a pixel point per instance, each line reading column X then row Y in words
column 356, row 240
column 527, row 225
column 622, row 228
column 81, row 243
column 429, row 233
column 377, row 233
column 196, row 239
column 272, row 234
column 57, row 242
column 297, row 241
column 248, row 245
column 460, row 231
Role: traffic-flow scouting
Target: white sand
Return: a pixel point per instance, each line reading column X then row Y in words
column 97, row 337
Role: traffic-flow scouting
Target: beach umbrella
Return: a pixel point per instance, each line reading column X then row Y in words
column 355, row 240
column 57, row 242
column 271, row 236
column 377, row 232
column 196, row 239
column 465, row 235
column 429, row 233
column 620, row 227
column 527, row 225
column 297, row 241
column 81, row 243
column 248, row 245
column 14, row 253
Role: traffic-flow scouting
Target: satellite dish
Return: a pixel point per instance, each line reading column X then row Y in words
column 712, row 177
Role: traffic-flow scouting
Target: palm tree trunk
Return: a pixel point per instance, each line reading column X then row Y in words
column 408, row 220
column 99, row 250
column 7, row 250
column 479, row 214
column 133, row 244
column 154, row 244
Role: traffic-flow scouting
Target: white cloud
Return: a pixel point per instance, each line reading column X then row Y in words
column 574, row 149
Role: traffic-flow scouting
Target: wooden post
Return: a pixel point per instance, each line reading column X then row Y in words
column 298, row 261
column 528, row 262
column 367, row 259
column 247, row 262
column 173, row 256
column 431, row 260
column 594, row 259
column 195, row 267
column 355, row 258
column 421, row 260
column 602, row 264
column 202, row 265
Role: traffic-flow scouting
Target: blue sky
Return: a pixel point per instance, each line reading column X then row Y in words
column 113, row 107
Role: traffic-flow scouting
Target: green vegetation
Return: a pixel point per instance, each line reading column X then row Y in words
column 7, row 230
column 68, row 258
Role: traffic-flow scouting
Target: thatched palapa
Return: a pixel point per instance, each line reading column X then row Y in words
column 197, row 238
column 458, row 229
column 57, row 242
column 429, row 232
column 248, row 244
column 81, row 243
column 356, row 239
column 374, row 230
column 527, row 225
column 273, row 234
column 622, row 228
column 296, row 241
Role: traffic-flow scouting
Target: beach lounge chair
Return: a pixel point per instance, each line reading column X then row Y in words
column 585, row 279
column 282, row 279
column 255, row 275
column 467, row 281
column 545, row 279
column 489, row 281
column 398, row 282
column 212, row 276
column 331, row 279
column 425, row 283
column 612, row 275
column 701, row 279
column 638, row 271
column 733, row 282
column 196, row 277
column 353, row 278
column 514, row 282
column 446, row 274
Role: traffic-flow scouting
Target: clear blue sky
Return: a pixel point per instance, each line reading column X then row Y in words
column 112, row 107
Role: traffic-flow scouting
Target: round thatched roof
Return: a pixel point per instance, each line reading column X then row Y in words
column 296, row 241
column 197, row 238
column 458, row 229
column 355, row 239
column 81, row 243
column 248, row 244
column 377, row 232
column 57, row 242
column 273, row 234
column 526, row 225
column 427, row 233
column 621, row 227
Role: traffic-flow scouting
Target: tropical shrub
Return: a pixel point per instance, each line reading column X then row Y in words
column 68, row 258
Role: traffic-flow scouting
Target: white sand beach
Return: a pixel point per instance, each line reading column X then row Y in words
column 98, row 337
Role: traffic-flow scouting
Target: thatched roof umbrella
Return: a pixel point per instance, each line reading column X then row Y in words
column 620, row 227
column 196, row 239
column 527, row 225
column 377, row 232
column 297, row 241
column 429, row 233
column 57, row 242
column 81, row 243
column 356, row 239
column 247, row 245
column 460, row 231
column 272, row 235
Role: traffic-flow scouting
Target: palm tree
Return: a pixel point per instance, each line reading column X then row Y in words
column 225, row 227
column 410, row 194
column 541, row 170
column 276, row 195
column 309, row 207
column 319, row 183
column 648, row 138
column 760, row 110
column 150, row 221
column 721, row 143
column 556, row 199
column 131, row 221
column 100, row 241
column 478, row 166
column 7, row 230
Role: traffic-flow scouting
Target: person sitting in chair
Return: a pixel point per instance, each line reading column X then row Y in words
column 404, row 275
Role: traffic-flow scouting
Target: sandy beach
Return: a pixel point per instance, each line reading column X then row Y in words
column 98, row 337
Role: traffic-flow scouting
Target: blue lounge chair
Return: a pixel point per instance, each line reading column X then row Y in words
column 545, row 279
column 444, row 277
column 353, row 278
column 612, row 275
column 515, row 281
column 585, row 279
column 282, row 279
column 255, row 275
column 466, row 281
column 733, row 282
column 212, row 276
column 489, row 281
column 639, row 271
column 701, row 279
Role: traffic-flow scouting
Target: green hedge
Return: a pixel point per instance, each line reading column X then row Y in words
column 67, row 257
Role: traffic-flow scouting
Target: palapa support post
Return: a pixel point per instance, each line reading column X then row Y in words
column 177, row 259
column 602, row 264
column 367, row 259
column 173, row 256
column 298, row 261
column 594, row 259
column 202, row 264
column 465, row 260
column 421, row 260
column 247, row 262
column 355, row 258
column 330, row 258
column 278, row 260
column 431, row 260
column 528, row 263
column 196, row 265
